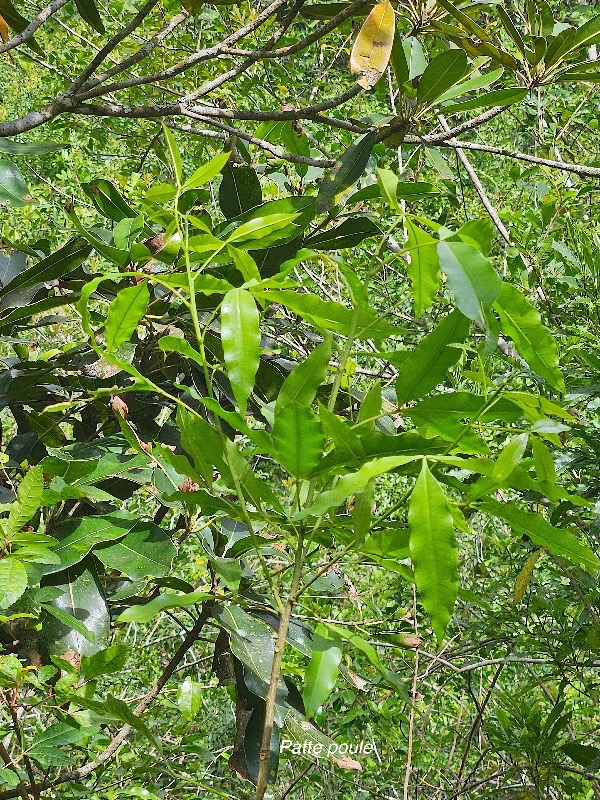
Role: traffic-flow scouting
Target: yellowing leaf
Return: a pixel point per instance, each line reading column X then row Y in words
column 3, row 30
column 524, row 576
column 373, row 46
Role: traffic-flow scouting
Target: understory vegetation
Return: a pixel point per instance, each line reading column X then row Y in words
column 299, row 392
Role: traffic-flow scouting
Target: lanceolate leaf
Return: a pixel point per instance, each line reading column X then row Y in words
column 125, row 313
column 373, row 45
column 239, row 190
column 524, row 576
column 559, row 542
column 441, row 74
column 206, row 172
column 298, row 439
column 302, row 383
column 522, row 322
column 89, row 13
column 54, row 266
column 240, row 335
column 28, row 148
column 471, row 279
column 347, row 170
column 433, row 550
column 354, row 483
column 427, row 365
column 423, row 267
column 321, row 674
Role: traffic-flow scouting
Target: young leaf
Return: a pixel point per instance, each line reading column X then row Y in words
column 388, row 183
column 13, row 581
column 373, row 46
column 175, row 344
column 29, row 500
column 298, row 439
column 427, row 365
column 522, row 322
column 423, row 268
column 240, row 335
column 174, row 153
column 433, row 550
column 346, row 171
column 354, row 483
column 302, row 383
column 321, row 674
column 124, row 315
column 206, row 172
column 510, row 457
column 471, row 279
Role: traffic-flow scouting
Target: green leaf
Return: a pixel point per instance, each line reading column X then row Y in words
column 471, row 84
column 349, row 234
column 124, row 315
column 239, row 190
column 298, row 439
column 572, row 39
column 69, row 621
column 302, row 383
column 29, row 148
column 388, row 183
column 441, row 74
column 54, row 266
column 471, row 279
column 175, row 344
column 251, row 642
column 13, row 190
column 174, row 153
column 423, row 268
column 29, row 500
column 523, row 323
column 206, row 172
column 122, row 711
column 545, row 468
column 46, row 746
column 328, row 314
column 262, row 228
column 89, row 13
column 353, row 483
column 240, row 335
column 346, row 171
column 322, row 671
column 557, row 541
column 427, row 365
column 433, row 550
column 107, row 200
column 148, row 611
column 13, row 581
column 203, row 442
column 189, row 698
column 105, row 662
column 146, row 550
column 501, row 97
column 77, row 537
column 510, row 457
column 127, row 231
column 81, row 598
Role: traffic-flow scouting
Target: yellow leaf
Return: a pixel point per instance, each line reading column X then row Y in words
column 3, row 30
column 524, row 576
column 373, row 45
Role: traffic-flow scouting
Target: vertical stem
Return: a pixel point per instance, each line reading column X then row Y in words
column 270, row 699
